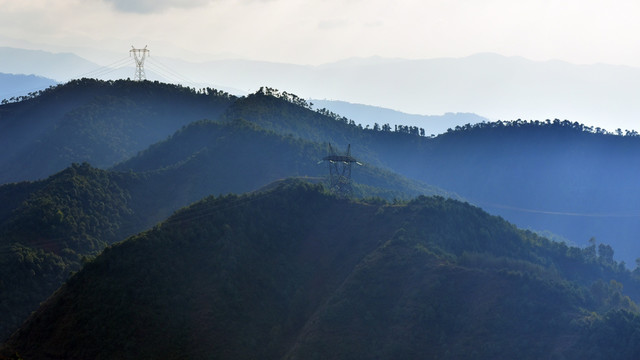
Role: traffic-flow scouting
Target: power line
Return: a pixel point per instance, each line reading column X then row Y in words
column 559, row 213
column 169, row 72
column 103, row 70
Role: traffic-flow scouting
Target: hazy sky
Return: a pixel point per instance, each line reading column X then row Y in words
column 319, row 31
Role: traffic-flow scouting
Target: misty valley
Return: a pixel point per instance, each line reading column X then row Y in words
column 141, row 219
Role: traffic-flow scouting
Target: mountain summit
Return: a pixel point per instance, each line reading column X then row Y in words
column 294, row 273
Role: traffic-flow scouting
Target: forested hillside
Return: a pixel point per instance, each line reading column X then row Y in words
column 47, row 227
column 295, row 273
column 292, row 272
column 560, row 176
column 238, row 156
column 101, row 122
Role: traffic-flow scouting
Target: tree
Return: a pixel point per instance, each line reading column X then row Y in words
column 590, row 251
column 605, row 254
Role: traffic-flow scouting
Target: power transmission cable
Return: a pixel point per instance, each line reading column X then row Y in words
column 559, row 213
column 95, row 73
column 115, row 65
column 158, row 71
column 159, row 67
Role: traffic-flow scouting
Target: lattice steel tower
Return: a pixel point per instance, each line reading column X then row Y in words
column 340, row 171
column 139, row 55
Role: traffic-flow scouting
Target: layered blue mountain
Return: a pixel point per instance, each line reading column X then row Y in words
column 13, row 87
column 296, row 273
column 567, row 178
column 369, row 116
column 572, row 180
column 152, row 148
column 101, row 122
column 48, row 228
column 57, row 66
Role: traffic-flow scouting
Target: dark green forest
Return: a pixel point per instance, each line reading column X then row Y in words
column 575, row 181
column 297, row 273
column 559, row 176
column 409, row 266
column 49, row 227
column 546, row 175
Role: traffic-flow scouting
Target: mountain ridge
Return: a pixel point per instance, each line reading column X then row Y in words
column 14, row 86
column 237, row 277
column 101, row 122
column 369, row 115
column 58, row 66
column 488, row 84
column 289, row 271
column 60, row 219
column 580, row 160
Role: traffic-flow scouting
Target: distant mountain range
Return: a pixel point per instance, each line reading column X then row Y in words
column 14, row 86
column 493, row 86
column 368, row 115
column 57, row 66
column 62, row 67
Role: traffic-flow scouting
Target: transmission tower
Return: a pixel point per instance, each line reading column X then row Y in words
column 139, row 55
column 340, row 171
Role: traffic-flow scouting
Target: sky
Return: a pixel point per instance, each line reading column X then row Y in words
column 313, row 32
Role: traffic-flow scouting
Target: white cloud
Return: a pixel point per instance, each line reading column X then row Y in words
column 317, row 31
column 332, row 24
column 154, row 6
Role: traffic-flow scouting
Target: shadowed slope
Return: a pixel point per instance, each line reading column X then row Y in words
column 295, row 273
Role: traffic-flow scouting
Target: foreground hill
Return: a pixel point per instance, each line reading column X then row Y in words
column 101, row 122
column 294, row 273
column 48, row 227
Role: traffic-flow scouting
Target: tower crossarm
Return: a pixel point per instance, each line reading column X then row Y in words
column 340, row 158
